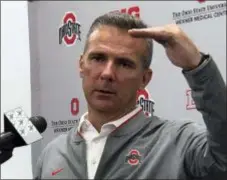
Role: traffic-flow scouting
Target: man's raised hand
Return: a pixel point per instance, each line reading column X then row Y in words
column 181, row 51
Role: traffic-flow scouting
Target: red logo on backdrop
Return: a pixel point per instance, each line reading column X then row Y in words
column 134, row 10
column 145, row 101
column 133, row 158
column 74, row 106
column 190, row 104
column 201, row 1
column 69, row 32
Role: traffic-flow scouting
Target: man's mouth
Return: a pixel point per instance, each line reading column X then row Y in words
column 106, row 92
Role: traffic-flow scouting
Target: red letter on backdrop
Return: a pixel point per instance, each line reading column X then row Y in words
column 135, row 10
column 74, row 106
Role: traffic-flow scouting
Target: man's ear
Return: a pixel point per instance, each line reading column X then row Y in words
column 146, row 78
column 81, row 66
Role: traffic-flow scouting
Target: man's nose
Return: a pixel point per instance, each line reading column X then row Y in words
column 108, row 72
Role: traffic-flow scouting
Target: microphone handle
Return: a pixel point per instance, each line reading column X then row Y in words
column 6, row 146
column 5, row 155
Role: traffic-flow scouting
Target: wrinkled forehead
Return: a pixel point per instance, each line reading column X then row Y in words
column 119, row 38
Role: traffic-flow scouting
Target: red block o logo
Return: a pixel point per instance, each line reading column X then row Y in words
column 70, row 17
column 74, row 106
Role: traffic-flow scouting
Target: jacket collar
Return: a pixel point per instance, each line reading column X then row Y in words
column 133, row 124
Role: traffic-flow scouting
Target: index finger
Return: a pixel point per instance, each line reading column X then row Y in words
column 157, row 33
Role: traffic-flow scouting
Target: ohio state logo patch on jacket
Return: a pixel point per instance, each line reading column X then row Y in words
column 133, row 158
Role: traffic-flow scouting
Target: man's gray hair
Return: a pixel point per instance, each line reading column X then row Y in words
column 122, row 21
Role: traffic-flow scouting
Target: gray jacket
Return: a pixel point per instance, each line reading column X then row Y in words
column 154, row 148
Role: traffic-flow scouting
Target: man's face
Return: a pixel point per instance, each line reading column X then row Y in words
column 112, row 69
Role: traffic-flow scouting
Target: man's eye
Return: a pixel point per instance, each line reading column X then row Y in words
column 98, row 58
column 125, row 65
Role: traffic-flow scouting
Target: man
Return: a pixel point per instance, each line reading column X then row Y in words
column 114, row 139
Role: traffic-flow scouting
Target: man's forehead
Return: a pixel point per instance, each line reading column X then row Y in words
column 115, row 36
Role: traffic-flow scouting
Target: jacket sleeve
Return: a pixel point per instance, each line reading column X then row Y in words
column 206, row 153
column 38, row 168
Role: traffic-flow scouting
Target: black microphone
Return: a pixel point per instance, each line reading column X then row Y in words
column 19, row 131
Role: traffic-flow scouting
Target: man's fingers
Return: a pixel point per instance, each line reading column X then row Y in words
column 155, row 33
column 159, row 34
